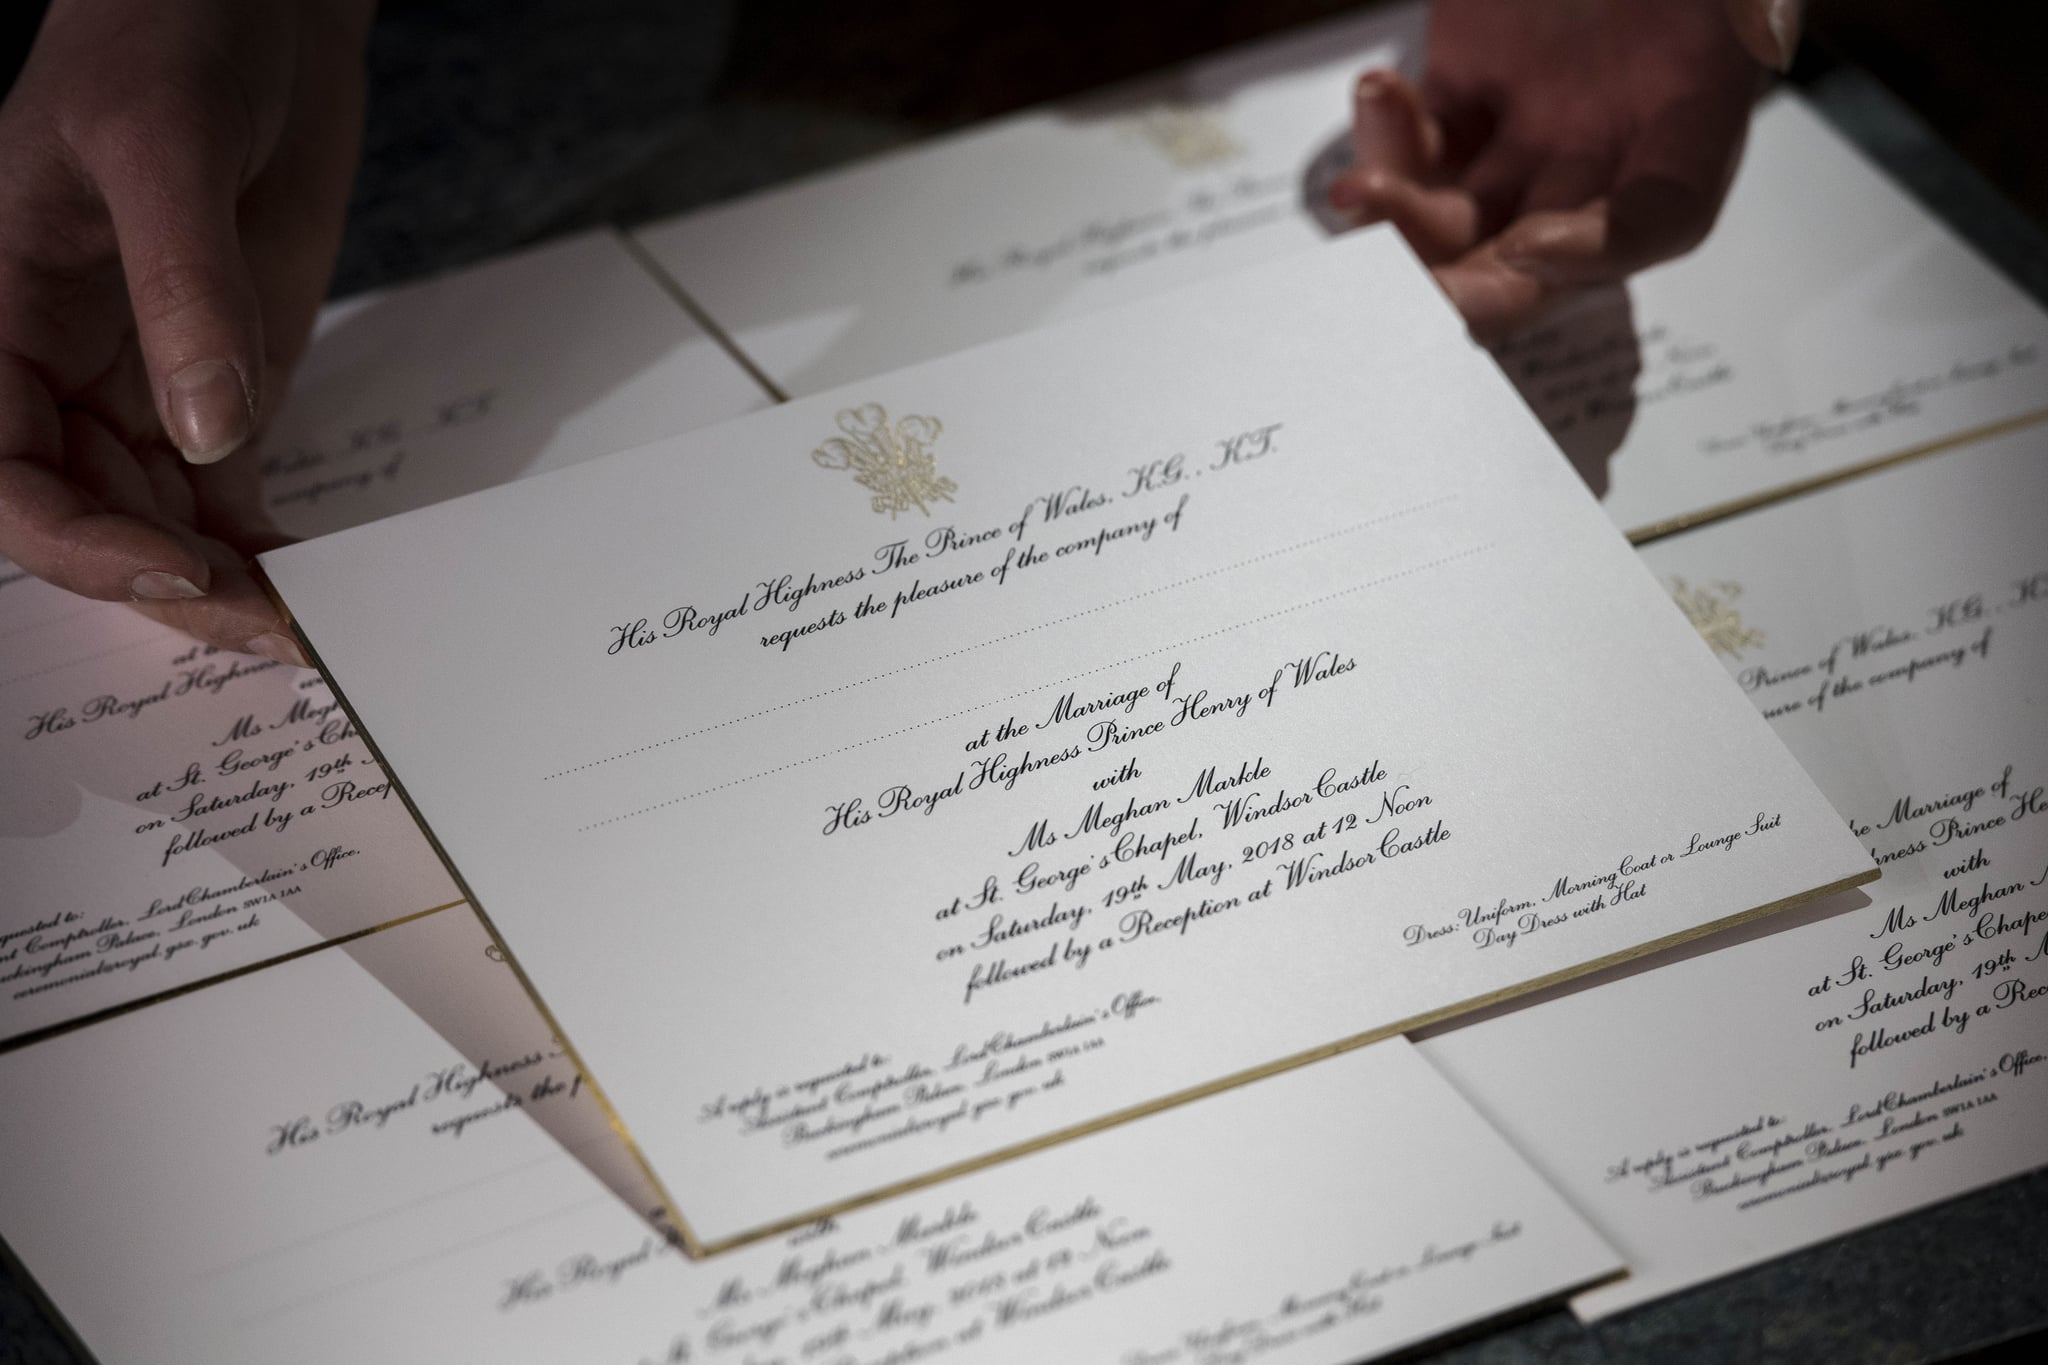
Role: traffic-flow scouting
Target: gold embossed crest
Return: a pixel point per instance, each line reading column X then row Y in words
column 893, row 462
column 1711, row 609
column 1191, row 136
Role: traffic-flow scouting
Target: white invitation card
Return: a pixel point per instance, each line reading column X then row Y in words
column 1828, row 321
column 1030, row 739
column 170, row 812
column 1729, row 1108
column 379, row 1153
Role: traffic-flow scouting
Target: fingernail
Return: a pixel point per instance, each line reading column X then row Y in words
column 1783, row 18
column 154, row 585
column 209, row 410
column 1372, row 86
column 1769, row 29
column 279, row 648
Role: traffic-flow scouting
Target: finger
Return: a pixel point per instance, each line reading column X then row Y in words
column 1497, row 181
column 169, row 481
column 170, row 187
column 236, row 615
column 55, row 530
column 119, row 397
column 1493, row 297
column 1767, row 29
column 1602, row 243
column 99, row 465
column 292, row 214
column 1390, row 130
column 1440, row 224
column 1467, row 122
column 1570, row 249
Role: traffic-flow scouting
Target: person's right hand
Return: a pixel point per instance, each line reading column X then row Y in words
column 173, row 175
column 1555, row 145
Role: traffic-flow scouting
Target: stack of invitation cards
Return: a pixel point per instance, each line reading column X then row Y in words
column 380, row 1153
column 918, row 775
column 172, row 812
column 1725, row 1109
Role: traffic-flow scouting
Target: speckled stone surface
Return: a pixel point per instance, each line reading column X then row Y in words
column 500, row 122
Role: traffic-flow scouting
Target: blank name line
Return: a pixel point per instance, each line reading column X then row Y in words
column 81, row 659
column 385, row 1272
column 73, row 614
column 1040, row 687
column 1352, row 529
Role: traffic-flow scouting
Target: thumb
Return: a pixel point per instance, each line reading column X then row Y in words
column 171, row 194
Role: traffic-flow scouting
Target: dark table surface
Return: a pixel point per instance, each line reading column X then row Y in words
column 495, row 123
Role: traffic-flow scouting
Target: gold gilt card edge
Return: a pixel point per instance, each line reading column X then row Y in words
column 1235, row 1080
column 1687, row 521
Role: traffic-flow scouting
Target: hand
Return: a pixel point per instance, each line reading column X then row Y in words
column 1558, row 144
column 172, row 183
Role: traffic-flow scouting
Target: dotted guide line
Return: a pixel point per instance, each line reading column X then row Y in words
column 81, row 659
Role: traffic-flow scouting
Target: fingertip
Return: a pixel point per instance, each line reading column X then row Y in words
column 49, row 530
column 1375, row 95
column 1389, row 126
column 1378, row 184
column 1386, row 88
column 198, row 315
column 209, row 411
column 235, row 614
column 278, row 648
column 1368, row 195
column 1768, row 30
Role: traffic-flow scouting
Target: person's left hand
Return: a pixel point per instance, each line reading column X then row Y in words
column 1556, row 144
